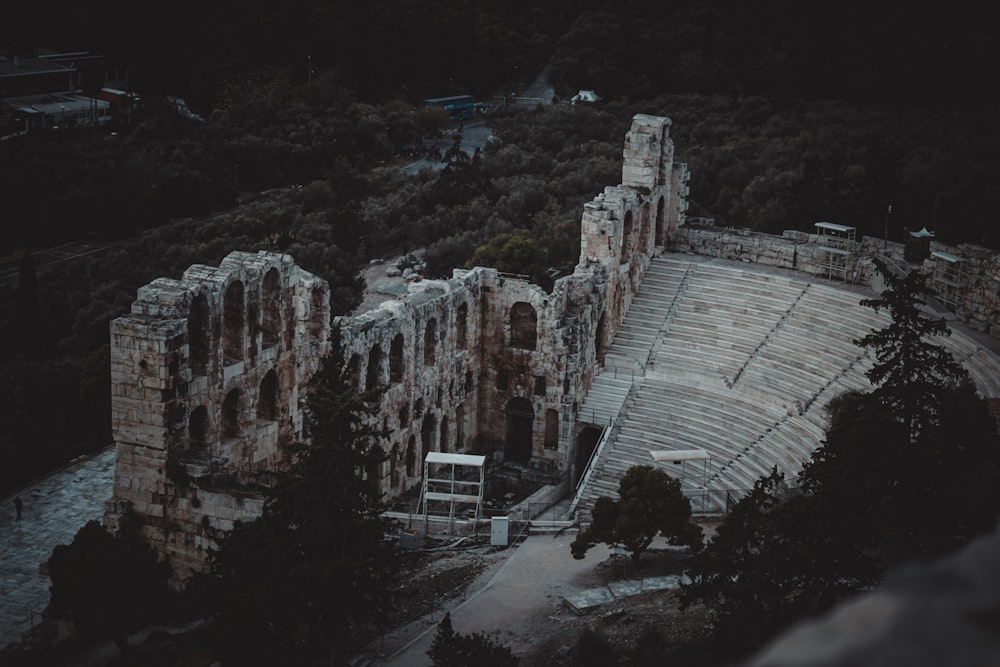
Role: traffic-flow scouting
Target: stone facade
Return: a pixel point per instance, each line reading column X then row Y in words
column 207, row 374
column 491, row 363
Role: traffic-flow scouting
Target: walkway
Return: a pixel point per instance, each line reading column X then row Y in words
column 521, row 600
column 55, row 508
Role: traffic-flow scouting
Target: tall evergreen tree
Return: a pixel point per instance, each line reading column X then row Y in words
column 303, row 578
column 911, row 374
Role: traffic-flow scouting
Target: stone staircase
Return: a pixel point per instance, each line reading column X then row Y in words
column 627, row 357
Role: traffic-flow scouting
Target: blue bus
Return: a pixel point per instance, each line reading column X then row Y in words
column 459, row 107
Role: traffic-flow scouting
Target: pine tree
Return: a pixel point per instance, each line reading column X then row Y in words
column 911, row 375
column 304, row 577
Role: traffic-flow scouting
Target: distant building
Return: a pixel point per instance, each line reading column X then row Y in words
column 588, row 96
column 58, row 89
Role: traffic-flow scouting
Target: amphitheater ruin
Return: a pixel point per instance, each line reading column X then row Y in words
column 714, row 350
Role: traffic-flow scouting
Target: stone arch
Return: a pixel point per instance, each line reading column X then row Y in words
column 411, row 456
column 520, row 430
column 317, row 322
column 462, row 325
column 198, row 440
column 199, row 335
column 233, row 323
column 644, row 224
column 523, row 326
column 586, row 443
column 551, row 429
column 374, row 370
column 661, row 222
column 394, row 466
column 430, row 342
column 270, row 308
column 396, row 364
column 428, row 429
column 443, row 440
column 229, row 425
column 267, row 398
column 626, row 238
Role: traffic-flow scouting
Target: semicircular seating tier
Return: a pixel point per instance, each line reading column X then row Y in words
column 739, row 361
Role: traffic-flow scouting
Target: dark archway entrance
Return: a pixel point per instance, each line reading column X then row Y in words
column 520, row 430
column 586, row 442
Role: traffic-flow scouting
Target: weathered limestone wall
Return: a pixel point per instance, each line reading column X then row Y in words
column 424, row 350
column 209, row 371
column 510, row 362
column 206, row 377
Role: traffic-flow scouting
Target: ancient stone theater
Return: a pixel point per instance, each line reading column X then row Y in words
column 713, row 351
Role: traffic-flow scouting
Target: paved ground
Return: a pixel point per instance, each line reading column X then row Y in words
column 55, row 507
column 512, row 599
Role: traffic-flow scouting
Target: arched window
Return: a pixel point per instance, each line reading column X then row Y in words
column 462, row 325
column 430, row 342
column 411, row 457
column 199, row 335
column 233, row 323
column 198, row 429
column 443, row 441
column 270, row 309
column 661, row 231
column 396, row 359
column 229, row 426
column 317, row 314
column 551, row 429
column 267, row 399
column 523, row 326
column 374, row 368
column 394, row 467
column 427, row 432
column 644, row 224
column 626, row 238
column 520, row 430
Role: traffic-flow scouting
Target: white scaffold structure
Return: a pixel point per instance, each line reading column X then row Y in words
column 451, row 489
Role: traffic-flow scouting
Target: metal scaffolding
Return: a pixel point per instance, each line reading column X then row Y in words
column 837, row 249
column 448, row 490
column 949, row 278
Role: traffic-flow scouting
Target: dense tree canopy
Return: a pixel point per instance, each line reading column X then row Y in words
column 108, row 587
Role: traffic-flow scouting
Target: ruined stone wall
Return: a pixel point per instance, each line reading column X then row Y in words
column 508, row 380
column 209, row 371
column 424, row 350
column 206, row 379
